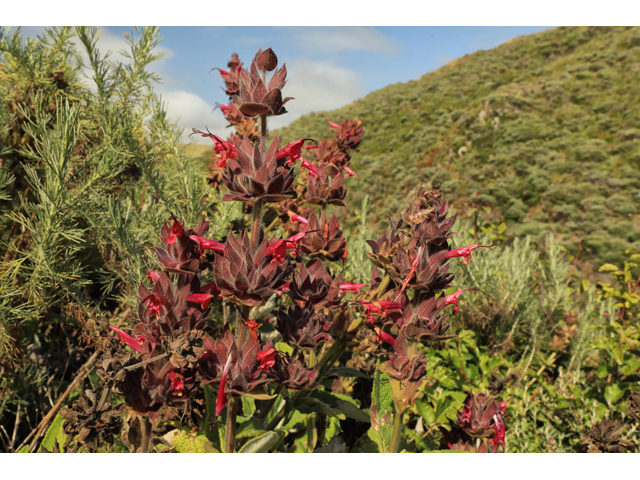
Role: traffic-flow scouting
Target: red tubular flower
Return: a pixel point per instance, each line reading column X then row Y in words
column 176, row 230
column 225, row 150
column 153, row 276
column 127, row 339
column 279, row 249
column 353, row 287
column 204, row 299
column 350, row 173
column 298, row 218
column 385, row 337
column 222, row 399
column 465, row 252
column 294, row 152
column 206, row 244
column 333, row 125
column 454, row 297
column 267, row 359
column 177, row 382
column 154, row 302
column 379, row 308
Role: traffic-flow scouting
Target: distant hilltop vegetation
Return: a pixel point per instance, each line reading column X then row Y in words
column 544, row 130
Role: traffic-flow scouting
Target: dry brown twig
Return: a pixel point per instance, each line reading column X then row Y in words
column 44, row 423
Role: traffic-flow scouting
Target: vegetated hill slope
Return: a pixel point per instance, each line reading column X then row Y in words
column 544, row 129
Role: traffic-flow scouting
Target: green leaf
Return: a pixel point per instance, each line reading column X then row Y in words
column 612, row 393
column 55, row 432
column 258, row 395
column 186, row 441
column 342, row 403
column 251, row 428
column 346, row 372
column 381, row 395
column 608, row 267
column 311, row 405
column 284, row 348
column 501, row 228
column 261, row 444
column 617, row 355
column 24, row 449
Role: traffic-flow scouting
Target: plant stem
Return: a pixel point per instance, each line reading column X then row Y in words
column 397, row 429
column 310, row 425
column 230, row 438
column 267, row 408
column 255, row 224
column 321, row 428
column 263, row 127
column 146, row 435
column 323, row 365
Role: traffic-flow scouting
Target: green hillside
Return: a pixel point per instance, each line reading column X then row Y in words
column 544, row 130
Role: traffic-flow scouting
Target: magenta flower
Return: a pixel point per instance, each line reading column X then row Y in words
column 454, row 297
column 465, row 252
column 206, row 244
column 333, row 125
column 352, row 287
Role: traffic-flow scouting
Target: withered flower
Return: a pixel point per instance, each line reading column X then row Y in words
column 92, row 418
column 633, row 406
column 606, row 437
column 251, row 175
column 256, row 98
column 303, row 328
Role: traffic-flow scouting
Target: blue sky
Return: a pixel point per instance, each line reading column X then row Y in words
column 329, row 67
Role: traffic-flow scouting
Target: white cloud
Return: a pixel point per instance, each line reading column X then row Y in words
column 317, row 86
column 191, row 111
column 338, row 39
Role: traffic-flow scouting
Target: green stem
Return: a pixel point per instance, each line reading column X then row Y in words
column 264, row 413
column 310, row 428
column 397, row 429
column 230, row 438
column 321, row 428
